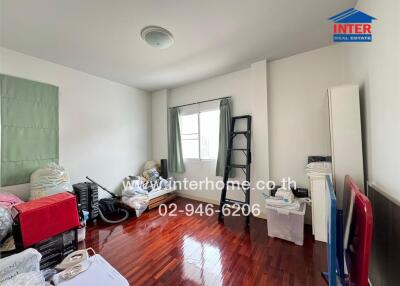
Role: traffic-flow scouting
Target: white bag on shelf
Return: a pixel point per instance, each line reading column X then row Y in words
column 49, row 180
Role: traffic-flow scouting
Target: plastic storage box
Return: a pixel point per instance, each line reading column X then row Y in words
column 286, row 224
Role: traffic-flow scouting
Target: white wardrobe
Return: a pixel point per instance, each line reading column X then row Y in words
column 346, row 139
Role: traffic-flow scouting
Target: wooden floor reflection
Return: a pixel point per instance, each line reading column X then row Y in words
column 197, row 250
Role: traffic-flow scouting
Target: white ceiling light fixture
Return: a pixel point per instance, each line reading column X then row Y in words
column 157, row 37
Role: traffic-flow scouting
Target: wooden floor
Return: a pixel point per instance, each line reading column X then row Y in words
column 197, row 250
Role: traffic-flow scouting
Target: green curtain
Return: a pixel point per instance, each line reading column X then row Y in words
column 176, row 164
column 225, row 107
column 29, row 128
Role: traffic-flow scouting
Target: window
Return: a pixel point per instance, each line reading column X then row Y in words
column 200, row 135
column 209, row 134
column 190, row 135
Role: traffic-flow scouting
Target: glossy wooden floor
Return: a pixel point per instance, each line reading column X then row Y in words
column 197, row 250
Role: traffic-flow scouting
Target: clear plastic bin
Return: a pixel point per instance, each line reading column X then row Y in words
column 286, row 224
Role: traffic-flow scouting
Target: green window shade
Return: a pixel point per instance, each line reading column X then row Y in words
column 29, row 128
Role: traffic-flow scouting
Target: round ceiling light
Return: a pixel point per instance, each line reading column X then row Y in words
column 157, row 37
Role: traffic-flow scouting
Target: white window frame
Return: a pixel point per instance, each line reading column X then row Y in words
column 198, row 128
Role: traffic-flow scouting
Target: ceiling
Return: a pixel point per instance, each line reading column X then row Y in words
column 212, row 37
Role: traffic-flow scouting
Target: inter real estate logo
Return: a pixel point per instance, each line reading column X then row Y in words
column 352, row 26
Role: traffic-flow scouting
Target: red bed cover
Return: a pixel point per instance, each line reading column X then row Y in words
column 45, row 217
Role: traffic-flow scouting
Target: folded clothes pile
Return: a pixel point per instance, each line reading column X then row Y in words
column 279, row 203
column 137, row 188
column 135, row 196
column 285, row 199
column 285, row 194
column 319, row 168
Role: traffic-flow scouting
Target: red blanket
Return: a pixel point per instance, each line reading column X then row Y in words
column 45, row 217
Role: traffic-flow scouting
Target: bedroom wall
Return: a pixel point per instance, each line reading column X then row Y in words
column 292, row 115
column 296, row 85
column 248, row 89
column 105, row 127
column 375, row 67
column 298, row 108
column 159, row 104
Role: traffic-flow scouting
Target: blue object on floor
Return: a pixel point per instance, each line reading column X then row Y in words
column 335, row 274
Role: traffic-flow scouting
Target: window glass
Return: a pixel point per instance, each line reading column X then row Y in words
column 209, row 134
column 190, row 136
column 189, row 124
column 203, row 143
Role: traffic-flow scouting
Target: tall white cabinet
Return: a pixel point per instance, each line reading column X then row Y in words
column 346, row 139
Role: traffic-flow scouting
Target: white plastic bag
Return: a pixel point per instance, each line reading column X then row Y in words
column 132, row 188
column 49, row 180
column 6, row 222
column 164, row 183
column 23, row 262
column 137, row 202
column 31, row 278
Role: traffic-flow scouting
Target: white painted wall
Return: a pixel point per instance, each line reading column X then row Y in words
column 297, row 102
column 105, row 129
column 376, row 68
column 159, row 122
column 296, row 86
column 260, row 136
column 248, row 89
column 298, row 109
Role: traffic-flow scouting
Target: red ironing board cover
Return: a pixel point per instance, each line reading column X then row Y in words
column 361, row 236
column 45, row 217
